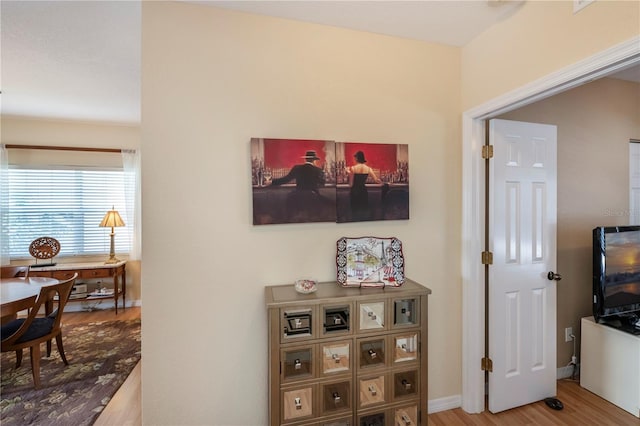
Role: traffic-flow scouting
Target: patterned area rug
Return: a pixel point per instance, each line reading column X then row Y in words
column 101, row 355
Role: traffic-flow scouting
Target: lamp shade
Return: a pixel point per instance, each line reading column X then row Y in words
column 112, row 219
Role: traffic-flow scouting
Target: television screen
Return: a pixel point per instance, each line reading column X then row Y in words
column 616, row 268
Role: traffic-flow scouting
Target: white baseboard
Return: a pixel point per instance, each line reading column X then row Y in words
column 455, row 401
column 443, row 404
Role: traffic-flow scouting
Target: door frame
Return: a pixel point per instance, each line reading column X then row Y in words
column 473, row 197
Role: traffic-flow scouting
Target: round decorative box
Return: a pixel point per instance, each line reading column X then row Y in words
column 306, row 286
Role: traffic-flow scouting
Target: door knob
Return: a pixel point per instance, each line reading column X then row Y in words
column 552, row 276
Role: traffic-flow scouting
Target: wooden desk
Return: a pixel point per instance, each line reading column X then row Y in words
column 116, row 272
column 16, row 289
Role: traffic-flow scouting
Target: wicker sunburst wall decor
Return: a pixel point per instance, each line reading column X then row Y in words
column 44, row 248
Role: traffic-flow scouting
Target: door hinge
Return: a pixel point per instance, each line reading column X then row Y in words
column 487, row 258
column 487, row 151
column 487, row 364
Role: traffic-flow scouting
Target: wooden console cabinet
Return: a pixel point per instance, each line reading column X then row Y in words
column 115, row 272
column 348, row 356
column 610, row 364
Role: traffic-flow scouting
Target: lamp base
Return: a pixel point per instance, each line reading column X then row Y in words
column 112, row 251
column 111, row 260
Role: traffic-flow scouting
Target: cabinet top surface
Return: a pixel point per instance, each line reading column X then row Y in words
column 76, row 266
column 591, row 322
column 278, row 295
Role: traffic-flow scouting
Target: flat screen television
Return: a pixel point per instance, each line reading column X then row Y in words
column 616, row 276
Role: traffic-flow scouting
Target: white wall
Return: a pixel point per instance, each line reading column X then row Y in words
column 211, row 80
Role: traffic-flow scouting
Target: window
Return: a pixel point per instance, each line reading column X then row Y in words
column 66, row 203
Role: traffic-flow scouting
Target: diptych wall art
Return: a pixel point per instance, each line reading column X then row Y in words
column 300, row 181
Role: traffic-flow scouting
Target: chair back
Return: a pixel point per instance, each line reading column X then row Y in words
column 56, row 296
column 14, row 271
column 15, row 307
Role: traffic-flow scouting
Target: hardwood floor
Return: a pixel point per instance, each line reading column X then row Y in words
column 125, row 408
column 581, row 407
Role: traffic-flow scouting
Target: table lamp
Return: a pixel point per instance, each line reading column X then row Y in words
column 112, row 219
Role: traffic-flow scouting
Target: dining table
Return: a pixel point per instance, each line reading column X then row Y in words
column 13, row 290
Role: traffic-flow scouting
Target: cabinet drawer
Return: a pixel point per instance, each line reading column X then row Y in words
column 405, row 347
column 297, row 363
column 371, row 353
column 336, row 319
column 95, row 273
column 373, row 419
column 64, row 275
column 335, row 357
column 38, row 273
column 406, row 312
column 346, row 421
column 405, row 384
column 371, row 391
column 406, row 416
column 371, row 316
column 297, row 323
column 336, row 397
column 297, row 404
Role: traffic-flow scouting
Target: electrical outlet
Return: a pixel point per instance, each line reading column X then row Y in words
column 578, row 5
column 568, row 332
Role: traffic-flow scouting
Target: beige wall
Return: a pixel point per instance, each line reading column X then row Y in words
column 211, row 80
column 539, row 38
column 33, row 131
column 595, row 123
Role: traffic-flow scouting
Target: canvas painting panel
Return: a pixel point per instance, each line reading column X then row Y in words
column 293, row 181
column 372, row 182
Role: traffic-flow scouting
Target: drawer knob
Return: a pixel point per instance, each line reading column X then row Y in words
column 336, row 358
column 372, row 315
column 406, row 419
column 406, row 384
column 336, row 397
column 337, row 320
column 298, row 403
column 373, row 390
column 297, row 364
column 297, row 323
column 372, row 353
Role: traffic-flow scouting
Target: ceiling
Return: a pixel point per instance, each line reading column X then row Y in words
column 448, row 22
column 81, row 60
column 71, row 60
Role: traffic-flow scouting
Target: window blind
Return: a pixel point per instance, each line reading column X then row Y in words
column 66, row 203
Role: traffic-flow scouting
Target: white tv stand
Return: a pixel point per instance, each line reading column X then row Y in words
column 610, row 364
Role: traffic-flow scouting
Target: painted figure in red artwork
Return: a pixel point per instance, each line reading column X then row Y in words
column 358, row 195
column 308, row 176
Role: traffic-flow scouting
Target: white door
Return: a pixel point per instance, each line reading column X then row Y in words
column 522, row 237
